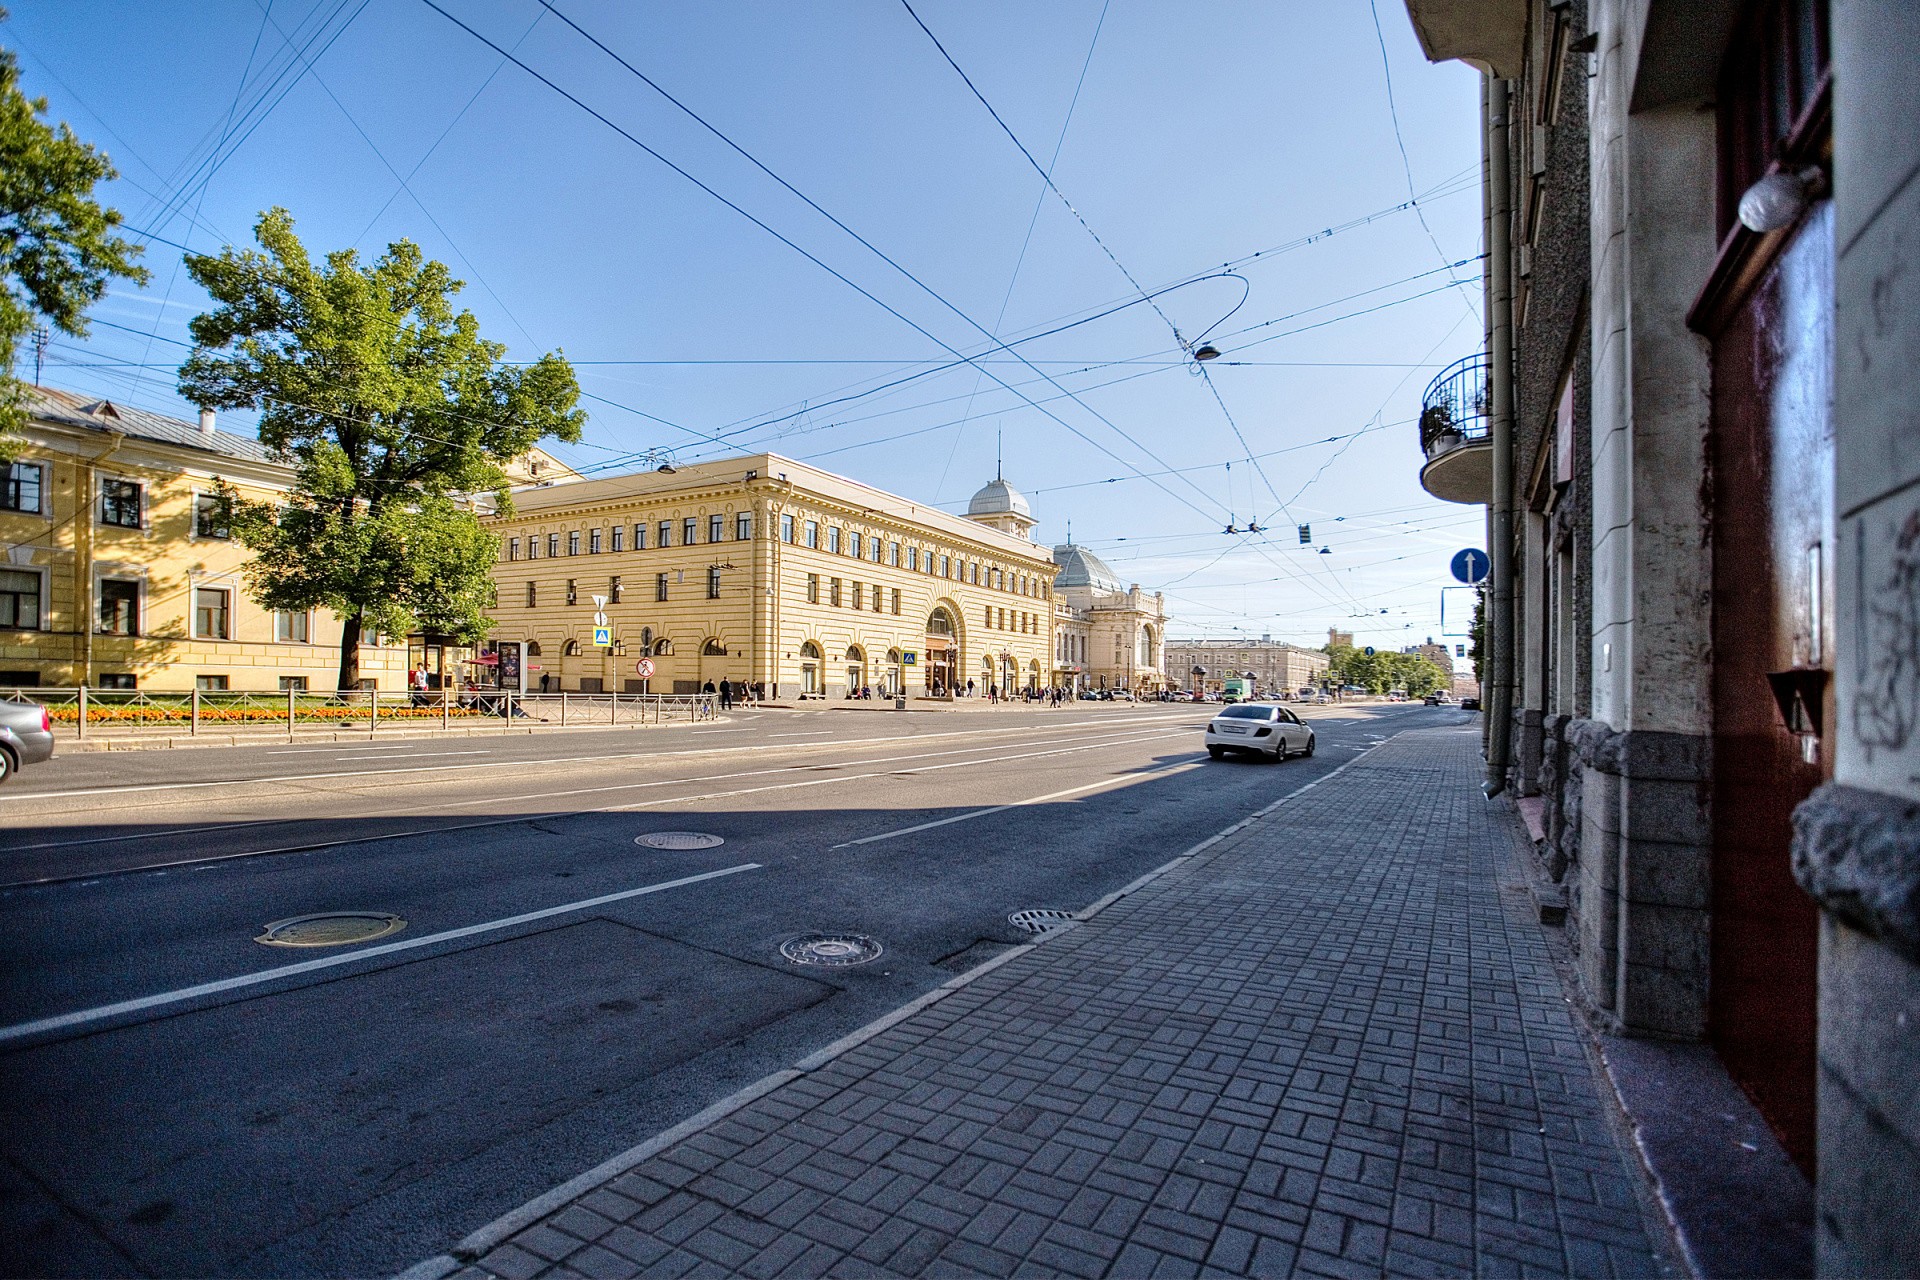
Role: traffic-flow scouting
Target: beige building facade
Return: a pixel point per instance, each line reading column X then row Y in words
column 1276, row 666
column 762, row 569
column 1112, row 636
column 115, row 574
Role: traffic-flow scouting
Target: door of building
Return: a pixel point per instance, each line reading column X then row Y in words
column 1773, row 523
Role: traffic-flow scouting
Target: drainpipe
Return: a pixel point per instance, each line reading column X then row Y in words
column 85, row 520
column 1499, row 708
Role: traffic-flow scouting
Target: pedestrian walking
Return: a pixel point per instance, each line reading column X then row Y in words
column 726, row 694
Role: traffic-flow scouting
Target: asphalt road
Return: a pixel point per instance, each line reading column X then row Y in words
column 179, row 1099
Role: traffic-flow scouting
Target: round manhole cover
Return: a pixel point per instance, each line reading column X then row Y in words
column 679, row 840
column 835, row 949
column 330, row 929
column 1039, row 919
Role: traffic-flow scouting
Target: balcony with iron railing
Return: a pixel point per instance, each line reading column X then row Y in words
column 1453, row 434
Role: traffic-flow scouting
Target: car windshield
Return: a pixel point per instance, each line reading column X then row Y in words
column 1246, row 712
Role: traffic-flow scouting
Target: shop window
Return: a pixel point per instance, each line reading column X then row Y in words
column 212, row 613
column 119, row 607
column 121, row 502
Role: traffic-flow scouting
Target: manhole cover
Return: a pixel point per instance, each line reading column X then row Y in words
column 679, row 840
column 330, row 929
column 835, row 949
column 1039, row 919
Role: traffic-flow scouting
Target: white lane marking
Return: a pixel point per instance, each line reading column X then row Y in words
column 271, row 779
column 1018, row 804
column 61, row 1022
column 495, row 800
column 313, row 845
column 816, row 733
column 320, row 751
column 416, row 755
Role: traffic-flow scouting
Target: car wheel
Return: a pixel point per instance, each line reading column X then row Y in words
column 7, row 765
column 1309, row 751
column 1279, row 753
column 1218, row 753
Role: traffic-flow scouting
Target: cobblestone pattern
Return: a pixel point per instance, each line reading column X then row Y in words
column 1333, row 1044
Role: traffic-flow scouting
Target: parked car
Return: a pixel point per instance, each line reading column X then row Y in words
column 1469, row 704
column 1322, row 699
column 26, row 736
column 1258, row 728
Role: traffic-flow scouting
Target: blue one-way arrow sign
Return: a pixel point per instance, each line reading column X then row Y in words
column 1470, row 565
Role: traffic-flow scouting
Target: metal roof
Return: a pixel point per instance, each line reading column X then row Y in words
column 91, row 413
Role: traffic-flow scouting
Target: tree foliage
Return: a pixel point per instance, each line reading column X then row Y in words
column 392, row 409
column 58, row 250
column 1381, row 672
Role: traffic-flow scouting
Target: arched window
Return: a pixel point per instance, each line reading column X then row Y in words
column 713, row 648
column 854, row 654
column 893, row 657
column 810, row 650
column 533, row 648
column 662, row 647
column 940, row 623
column 571, row 649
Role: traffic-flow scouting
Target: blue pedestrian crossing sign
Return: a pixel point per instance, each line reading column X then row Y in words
column 1471, row 565
column 603, row 637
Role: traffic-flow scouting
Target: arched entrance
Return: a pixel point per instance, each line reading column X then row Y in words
column 891, row 685
column 856, row 670
column 810, row 670
column 943, row 652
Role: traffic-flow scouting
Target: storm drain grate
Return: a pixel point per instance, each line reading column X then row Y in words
column 679, row 840
column 836, row 950
column 330, row 929
column 1039, row 919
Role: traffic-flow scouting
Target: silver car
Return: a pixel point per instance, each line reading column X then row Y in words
column 26, row 736
column 1258, row 728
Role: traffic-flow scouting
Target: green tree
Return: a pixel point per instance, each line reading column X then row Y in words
column 58, row 250
column 393, row 410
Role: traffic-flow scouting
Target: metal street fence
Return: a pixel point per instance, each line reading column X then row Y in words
column 95, row 712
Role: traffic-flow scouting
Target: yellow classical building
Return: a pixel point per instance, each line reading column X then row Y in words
column 763, row 569
column 115, row 572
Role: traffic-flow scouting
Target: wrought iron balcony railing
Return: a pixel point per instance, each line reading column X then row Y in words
column 1454, row 410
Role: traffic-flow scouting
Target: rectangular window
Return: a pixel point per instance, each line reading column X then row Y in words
column 986, row 619
column 118, row 680
column 119, row 607
column 913, row 559
column 573, row 542
column 713, row 584
column 893, row 554
column 857, row 597
column 553, row 546
column 20, row 599
column 573, row 593
column 813, row 588
column 813, row 534
column 743, row 526
column 210, row 684
column 593, row 542
column 613, row 588
column 833, row 541
column 896, row 602
column 833, row 592
column 533, row 595
column 716, row 528
column 292, row 628
column 513, row 548
column 618, row 540
column 856, row 548
column 533, row 546
column 23, row 485
column 875, row 544
column 876, row 597
column 946, row 566
column 689, row 532
column 659, row 586
column 786, row 528
column 212, row 613
column 206, row 517
column 120, row 503
column 666, row 534
column 293, row 684
column 639, row 536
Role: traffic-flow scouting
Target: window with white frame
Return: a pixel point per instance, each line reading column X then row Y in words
column 119, row 611
column 23, row 487
column 619, row 537
column 786, row 528
column 21, row 591
column 689, row 531
column 716, row 528
column 573, row 542
column 893, row 554
column 813, row 534
column 666, row 534
column 833, row 540
column 593, row 542
column 212, row 613
column 121, row 502
column 513, row 548
column 856, row 548
column 553, row 546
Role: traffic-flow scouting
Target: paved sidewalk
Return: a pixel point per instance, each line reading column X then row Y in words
column 1331, row 1042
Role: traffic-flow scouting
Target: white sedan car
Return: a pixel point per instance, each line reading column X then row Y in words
column 1259, row 728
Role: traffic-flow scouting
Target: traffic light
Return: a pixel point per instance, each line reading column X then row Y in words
column 1306, row 535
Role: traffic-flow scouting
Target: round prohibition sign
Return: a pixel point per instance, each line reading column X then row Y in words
column 643, row 668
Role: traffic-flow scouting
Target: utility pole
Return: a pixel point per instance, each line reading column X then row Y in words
column 40, row 339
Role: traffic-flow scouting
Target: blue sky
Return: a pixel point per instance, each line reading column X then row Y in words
column 1199, row 136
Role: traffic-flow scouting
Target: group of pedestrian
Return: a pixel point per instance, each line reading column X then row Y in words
column 749, row 692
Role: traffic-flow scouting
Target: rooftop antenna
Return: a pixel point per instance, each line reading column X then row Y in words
column 997, row 470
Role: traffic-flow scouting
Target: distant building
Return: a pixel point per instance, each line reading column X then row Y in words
column 1438, row 654
column 1111, row 636
column 1275, row 666
column 1339, row 639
